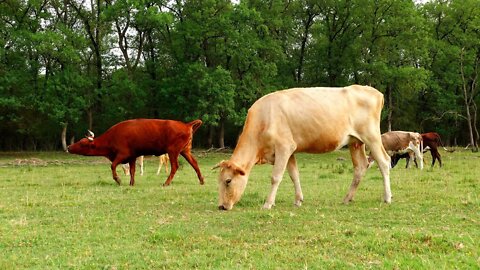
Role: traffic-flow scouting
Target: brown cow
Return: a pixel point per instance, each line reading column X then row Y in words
column 127, row 140
column 313, row 120
column 431, row 141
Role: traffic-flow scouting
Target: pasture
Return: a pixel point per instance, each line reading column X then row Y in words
column 61, row 211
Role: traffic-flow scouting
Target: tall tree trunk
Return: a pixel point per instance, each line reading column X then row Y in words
column 211, row 131
column 221, row 134
column 64, row 137
column 468, row 99
column 390, row 107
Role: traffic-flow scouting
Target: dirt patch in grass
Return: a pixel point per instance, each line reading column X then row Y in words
column 18, row 162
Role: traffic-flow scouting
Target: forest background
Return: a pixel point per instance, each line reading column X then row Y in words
column 69, row 65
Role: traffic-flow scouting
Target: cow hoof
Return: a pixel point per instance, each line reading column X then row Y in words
column 166, row 185
column 347, row 201
column 221, row 207
column 298, row 203
column 267, row 206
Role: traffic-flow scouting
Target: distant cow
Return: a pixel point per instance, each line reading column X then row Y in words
column 127, row 140
column 162, row 160
column 431, row 141
column 402, row 143
column 313, row 120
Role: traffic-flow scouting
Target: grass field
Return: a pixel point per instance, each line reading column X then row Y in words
column 61, row 211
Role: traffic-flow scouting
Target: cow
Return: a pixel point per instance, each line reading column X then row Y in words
column 127, row 140
column 163, row 159
column 402, row 143
column 431, row 141
column 313, row 120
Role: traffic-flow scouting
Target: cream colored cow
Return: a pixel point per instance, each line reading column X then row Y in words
column 163, row 159
column 313, row 120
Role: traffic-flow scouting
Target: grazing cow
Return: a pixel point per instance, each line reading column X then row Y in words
column 431, row 141
column 313, row 120
column 127, row 140
column 403, row 143
column 163, row 159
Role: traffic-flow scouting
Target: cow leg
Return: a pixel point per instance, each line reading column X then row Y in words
column 165, row 161
column 439, row 158
column 418, row 155
column 360, row 165
column 132, row 164
column 383, row 160
column 410, row 157
column 188, row 156
column 114, row 171
column 160, row 163
column 140, row 162
column 174, row 165
column 279, row 165
column 295, row 176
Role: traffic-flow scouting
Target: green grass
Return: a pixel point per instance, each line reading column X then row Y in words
column 66, row 212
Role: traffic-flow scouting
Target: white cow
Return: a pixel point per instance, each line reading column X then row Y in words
column 313, row 120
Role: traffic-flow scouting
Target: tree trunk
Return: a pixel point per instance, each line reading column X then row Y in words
column 211, row 131
column 221, row 134
column 390, row 107
column 64, row 137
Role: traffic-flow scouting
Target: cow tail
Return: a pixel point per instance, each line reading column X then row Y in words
column 441, row 144
column 195, row 124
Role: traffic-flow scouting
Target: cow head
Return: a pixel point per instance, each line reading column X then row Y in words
column 85, row 146
column 231, row 184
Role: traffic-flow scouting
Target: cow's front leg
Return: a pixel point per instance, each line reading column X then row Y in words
column 114, row 171
column 281, row 159
column 295, row 176
column 132, row 164
column 191, row 160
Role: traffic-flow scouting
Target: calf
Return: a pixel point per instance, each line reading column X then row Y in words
column 127, row 140
column 431, row 141
column 399, row 144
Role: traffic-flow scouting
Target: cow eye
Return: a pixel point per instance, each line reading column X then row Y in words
column 228, row 181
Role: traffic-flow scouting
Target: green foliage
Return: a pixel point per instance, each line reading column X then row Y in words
column 92, row 67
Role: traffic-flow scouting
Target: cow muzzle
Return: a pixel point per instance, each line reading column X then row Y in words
column 224, row 208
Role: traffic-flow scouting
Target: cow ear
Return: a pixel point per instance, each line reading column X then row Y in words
column 240, row 171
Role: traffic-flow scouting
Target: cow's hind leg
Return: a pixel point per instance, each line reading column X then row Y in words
column 295, row 176
column 360, row 164
column 383, row 161
column 282, row 155
column 140, row 162
column 188, row 156
column 174, row 167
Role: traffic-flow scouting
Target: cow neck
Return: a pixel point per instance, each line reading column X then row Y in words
column 245, row 154
column 102, row 147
